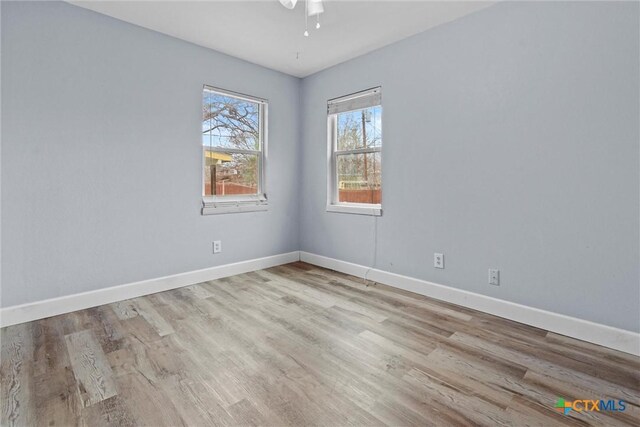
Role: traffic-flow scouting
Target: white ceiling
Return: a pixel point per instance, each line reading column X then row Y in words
column 266, row 33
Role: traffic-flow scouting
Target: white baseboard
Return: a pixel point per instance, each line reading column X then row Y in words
column 617, row 339
column 607, row 336
column 66, row 304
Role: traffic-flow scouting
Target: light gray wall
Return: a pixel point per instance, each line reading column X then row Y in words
column 101, row 163
column 511, row 140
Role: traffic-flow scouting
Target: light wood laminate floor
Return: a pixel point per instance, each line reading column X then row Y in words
column 299, row 345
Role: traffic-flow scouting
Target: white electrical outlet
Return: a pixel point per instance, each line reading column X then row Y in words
column 217, row 246
column 438, row 260
column 494, row 277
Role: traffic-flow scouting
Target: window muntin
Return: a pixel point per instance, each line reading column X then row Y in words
column 233, row 143
column 355, row 144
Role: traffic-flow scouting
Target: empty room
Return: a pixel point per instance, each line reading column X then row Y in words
column 320, row 213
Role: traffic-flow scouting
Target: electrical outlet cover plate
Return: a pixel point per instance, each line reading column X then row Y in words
column 438, row 260
column 217, row 247
column 494, row 277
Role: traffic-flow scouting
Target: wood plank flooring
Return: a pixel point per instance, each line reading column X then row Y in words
column 299, row 345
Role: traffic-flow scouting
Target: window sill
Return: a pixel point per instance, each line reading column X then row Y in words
column 211, row 206
column 357, row 209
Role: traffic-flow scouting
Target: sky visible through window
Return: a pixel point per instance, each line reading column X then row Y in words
column 350, row 128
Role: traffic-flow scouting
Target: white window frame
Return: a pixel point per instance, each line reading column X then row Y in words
column 356, row 101
column 240, row 203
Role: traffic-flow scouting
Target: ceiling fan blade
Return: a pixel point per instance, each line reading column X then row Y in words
column 315, row 7
column 289, row 4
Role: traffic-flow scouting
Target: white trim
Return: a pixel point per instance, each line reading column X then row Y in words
column 354, row 208
column 607, row 336
column 66, row 304
column 233, row 94
column 374, row 96
column 220, row 205
column 596, row 333
column 241, row 203
column 355, row 101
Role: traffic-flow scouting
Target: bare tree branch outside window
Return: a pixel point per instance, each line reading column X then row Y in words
column 231, row 141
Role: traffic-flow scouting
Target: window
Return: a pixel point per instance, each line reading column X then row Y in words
column 233, row 152
column 355, row 156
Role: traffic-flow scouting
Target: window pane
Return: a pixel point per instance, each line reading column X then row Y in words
column 230, row 174
column 207, row 122
column 360, row 126
column 359, row 178
column 230, row 122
